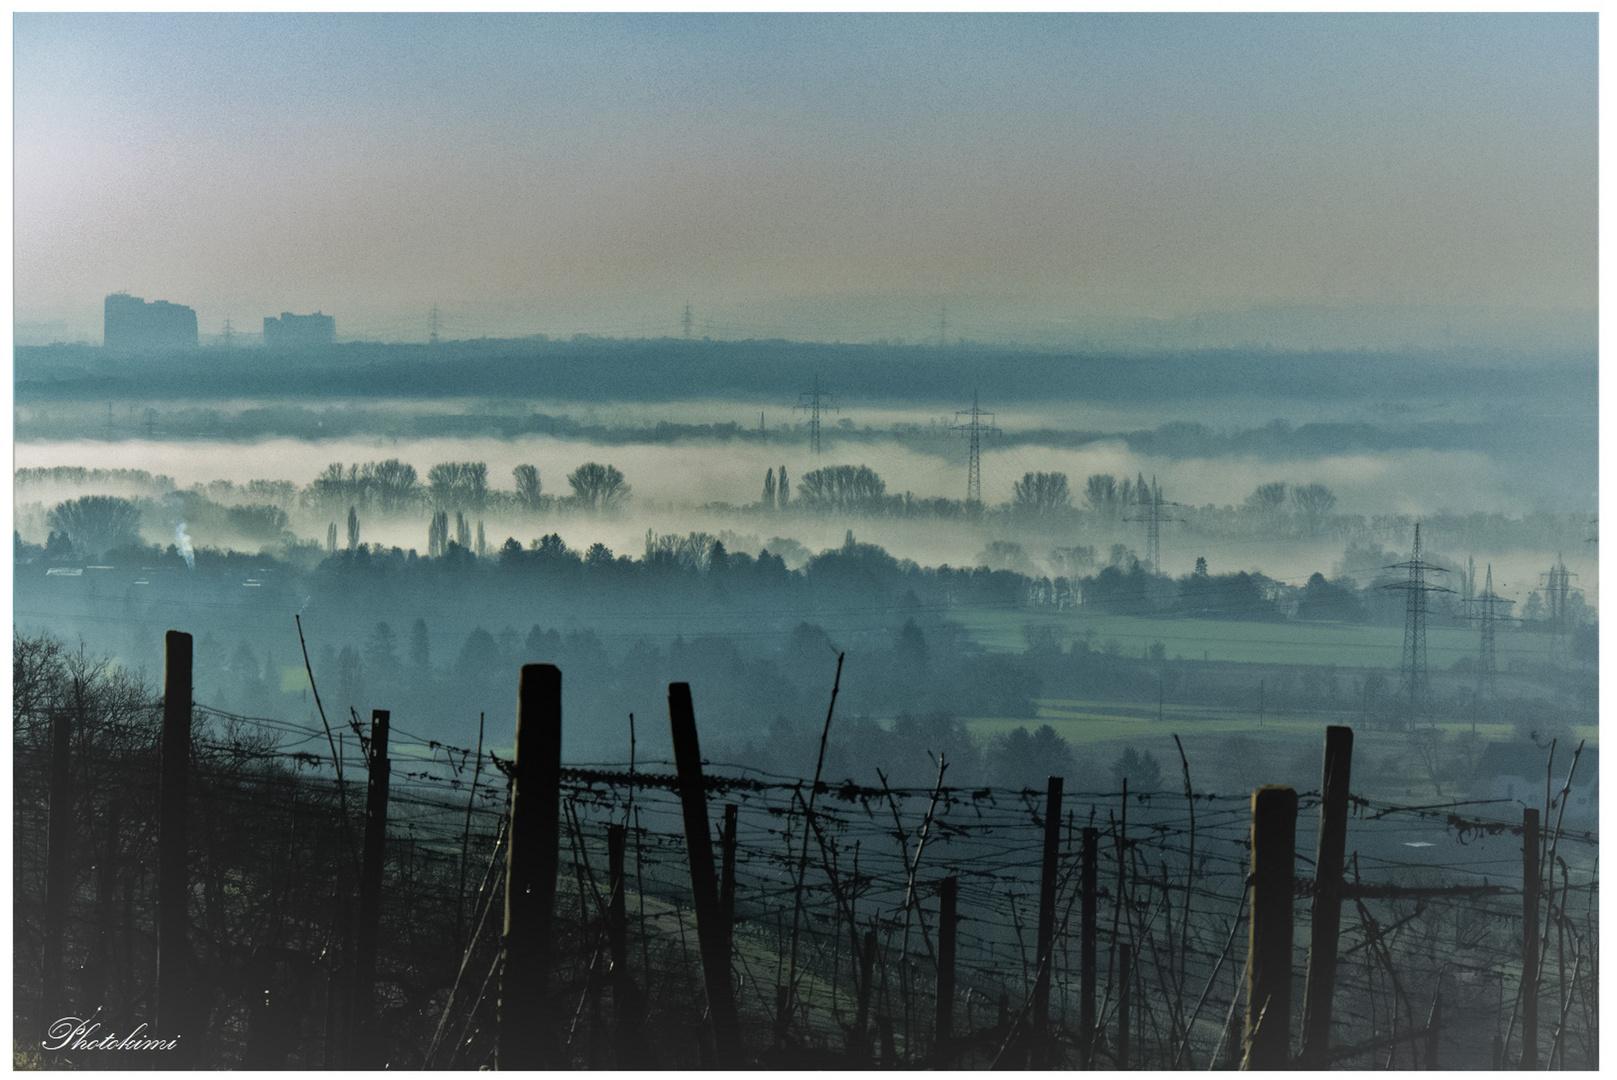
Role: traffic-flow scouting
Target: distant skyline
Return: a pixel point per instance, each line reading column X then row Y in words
column 1040, row 179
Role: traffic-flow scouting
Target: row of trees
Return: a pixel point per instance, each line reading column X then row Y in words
column 859, row 489
column 393, row 486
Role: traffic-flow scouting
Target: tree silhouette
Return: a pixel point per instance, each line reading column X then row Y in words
column 1100, row 494
column 1267, row 499
column 1041, row 493
column 598, row 487
column 1313, row 501
column 845, row 488
column 528, row 487
column 97, row 523
column 459, row 485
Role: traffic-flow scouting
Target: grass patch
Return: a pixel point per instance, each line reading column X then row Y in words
column 1309, row 643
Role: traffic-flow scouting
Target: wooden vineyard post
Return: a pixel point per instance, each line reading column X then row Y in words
column 617, row 934
column 525, row 1028
column 727, row 875
column 1125, row 961
column 1434, row 1024
column 1530, row 880
column 173, row 885
column 867, row 965
column 712, row 936
column 948, row 897
column 1268, row 986
column 1089, row 901
column 58, row 839
column 363, row 1049
column 1327, row 912
column 1043, row 1045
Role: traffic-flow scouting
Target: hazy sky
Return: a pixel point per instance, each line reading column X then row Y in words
column 824, row 176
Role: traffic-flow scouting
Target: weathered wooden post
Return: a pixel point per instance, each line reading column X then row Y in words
column 627, row 1002
column 1043, row 1046
column 363, row 1050
column 1530, row 881
column 58, row 867
column 1268, row 995
column 1088, row 914
column 617, row 936
column 948, row 895
column 525, row 1027
column 727, row 875
column 711, row 933
column 173, row 1019
column 867, row 964
column 1434, row 1024
column 1125, row 961
column 1326, row 922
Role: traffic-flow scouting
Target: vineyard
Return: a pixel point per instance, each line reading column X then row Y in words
column 349, row 894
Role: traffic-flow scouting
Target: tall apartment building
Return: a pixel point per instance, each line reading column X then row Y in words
column 138, row 326
column 291, row 330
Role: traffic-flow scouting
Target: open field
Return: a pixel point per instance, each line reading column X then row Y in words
column 1315, row 643
column 1228, row 748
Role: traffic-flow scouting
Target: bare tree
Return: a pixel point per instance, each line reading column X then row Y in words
column 1267, row 499
column 1313, row 502
column 1041, row 493
column 392, row 484
column 1100, row 494
column 528, row 487
column 459, row 485
column 97, row 523
column 598, row 487
column 846, row 488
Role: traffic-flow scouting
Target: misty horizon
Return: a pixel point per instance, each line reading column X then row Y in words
column 1018, row 443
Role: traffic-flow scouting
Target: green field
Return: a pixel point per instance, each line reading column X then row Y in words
column 1310, row 643
column 1291, row 745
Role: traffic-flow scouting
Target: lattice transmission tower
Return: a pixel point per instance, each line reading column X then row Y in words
column 1416, row 588
column 1558, row 593
column 1153, row 514
column 975, row 428
column 1489, row 609
column 812, row 401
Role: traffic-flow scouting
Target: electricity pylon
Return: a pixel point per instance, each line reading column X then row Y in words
column 686, row 321
column 1489, row 605
column 975, row 429
column 1152, row 514
column 1416, row 588
column 432, row 320
column 1558, row 595
column 812, row 402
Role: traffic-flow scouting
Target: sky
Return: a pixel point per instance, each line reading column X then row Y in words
column 1034, row 178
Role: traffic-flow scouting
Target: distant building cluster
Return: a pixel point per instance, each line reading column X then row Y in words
column 298, row 331
column 139, row 326
column 136, row 325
